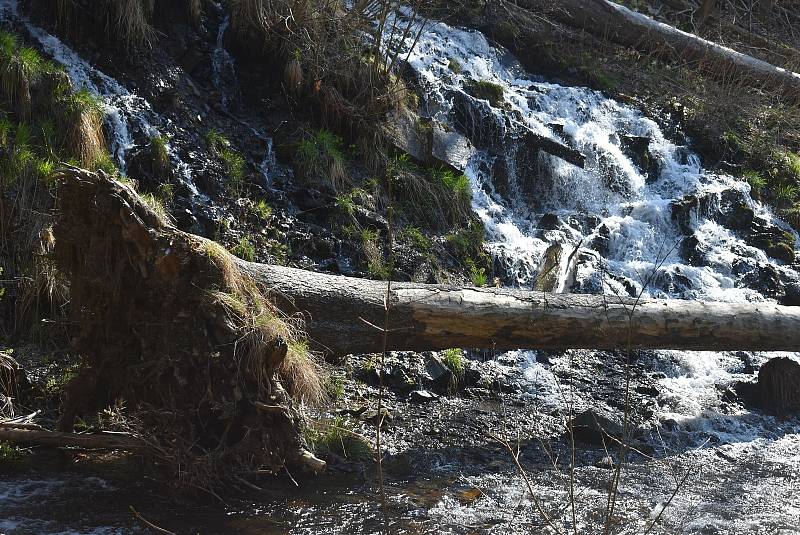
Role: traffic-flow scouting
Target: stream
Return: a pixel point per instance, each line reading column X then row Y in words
column 641, row 218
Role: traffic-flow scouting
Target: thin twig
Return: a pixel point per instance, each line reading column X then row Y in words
column 149, row 524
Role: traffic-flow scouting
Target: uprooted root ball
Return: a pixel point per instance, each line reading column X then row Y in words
column 166, row 321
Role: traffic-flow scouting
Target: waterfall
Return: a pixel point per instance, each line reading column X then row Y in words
column 223, row 68
column 617, row 214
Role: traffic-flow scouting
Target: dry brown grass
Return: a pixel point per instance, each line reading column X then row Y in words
column 269, row 342
column 131, row 23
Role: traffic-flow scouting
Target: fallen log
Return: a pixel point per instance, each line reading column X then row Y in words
column 341, row 314
column 27, row 435
column 610, row 20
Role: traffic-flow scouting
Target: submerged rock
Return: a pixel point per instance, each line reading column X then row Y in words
column 592, row 428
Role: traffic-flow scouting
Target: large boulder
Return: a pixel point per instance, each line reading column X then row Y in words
column 779, row 385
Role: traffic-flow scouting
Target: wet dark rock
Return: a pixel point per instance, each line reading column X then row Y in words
column 765, row 279
column 549, row 222
column 791, row 295
column 779, row 385
column 311, row 199
column 637, row 148
column 602, row 241
column 647, row 390
column 672, row 281
column 592, row 428
column 773, row 240
column 397, row 379
column 588, row 273
column 693, row 251
column 682, row 213
column 732, row 210
column 422, row 396
column 442, row 378
column 748, row 366
column 473, row 375
column 370, row 218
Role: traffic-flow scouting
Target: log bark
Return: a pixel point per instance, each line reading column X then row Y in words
column 612, row 21
column 341, row 314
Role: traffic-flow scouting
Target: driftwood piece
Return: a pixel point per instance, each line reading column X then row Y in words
column 28, row 435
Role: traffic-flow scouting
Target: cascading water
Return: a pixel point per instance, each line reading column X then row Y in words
column 626, row 215
column 621, row 218
column 124, row 111
column 223, row 68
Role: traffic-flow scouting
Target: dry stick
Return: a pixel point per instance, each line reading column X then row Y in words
column 149, row 524
column 571, row 406
column 672, row 497
column 387, row 300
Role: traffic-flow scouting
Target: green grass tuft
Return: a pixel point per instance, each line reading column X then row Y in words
column 159, row 153
column 262, row 210
column 234, row 164
column 454, row 360
column 416, row 239
column 339, row 438
column 320, row 159
column 244, row 249
column 104, row 162
column 484, row 90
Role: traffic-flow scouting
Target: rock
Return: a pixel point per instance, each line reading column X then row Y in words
column 549, row 222
column 747, row 362
column 602, row 240
column 765, row 279
column 549, row 274
column 592, row 428
column 468, row 495
column 396, row 378
column 779, row 385
column 606, row 463
column 774, row 241
column 472, row 375
column 442, row 378
column 693, row 251
column 791, row 295
column 373, row 417
column 683, row 211
column 488, row 91
column 637, row 148
column 422, row 396
column 645, row 390
column 311, row 199
column 672, row 281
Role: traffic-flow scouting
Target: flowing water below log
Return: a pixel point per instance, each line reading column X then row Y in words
column 641, row 217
